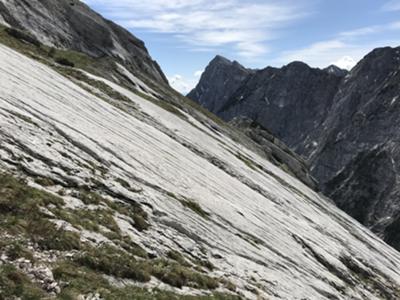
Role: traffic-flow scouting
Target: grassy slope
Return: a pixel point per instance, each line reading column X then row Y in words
column 27, row 228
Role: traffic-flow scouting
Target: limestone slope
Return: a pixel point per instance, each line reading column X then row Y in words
column 205, row 195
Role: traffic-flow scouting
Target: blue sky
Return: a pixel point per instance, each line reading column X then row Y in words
column 184, row 35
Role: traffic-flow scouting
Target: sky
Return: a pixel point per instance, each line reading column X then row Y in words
column 183, row 36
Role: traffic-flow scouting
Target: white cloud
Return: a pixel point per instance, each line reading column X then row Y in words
column 182, row 84
column 393, row 5
column 346, row 62
column 370, row 30
column 320, row 54
column 344, row 50
column 244, row 25
column 198, row 73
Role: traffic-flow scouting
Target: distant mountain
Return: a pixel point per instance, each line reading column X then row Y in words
column 344, row 123
column 218, row 82
column 291, row 101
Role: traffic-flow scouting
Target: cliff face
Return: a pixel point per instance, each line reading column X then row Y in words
column 336, row 120
column 357, row 154
column 71, row 24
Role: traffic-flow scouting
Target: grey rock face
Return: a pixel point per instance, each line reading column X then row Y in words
column 345, row 124
column 291, row 102
column 71, row 24
column 359, row 139
column 218, row 82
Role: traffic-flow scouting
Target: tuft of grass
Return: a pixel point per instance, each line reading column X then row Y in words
column 44, row 181
column 178, row 257
column 15, row 284
column 247, row 161
column 133, row 211
column 177, row 275
column 22, row 36
column 123, row 183
column 64, row 61
column 112, row 261
column 194, row 206
column 88, row 197
column 81, row 280
column 16, row 249
column 20, row 212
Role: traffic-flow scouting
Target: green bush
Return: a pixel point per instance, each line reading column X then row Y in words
column 65, row 62
column 111, row 261
column 14, row 284
column 22, row 35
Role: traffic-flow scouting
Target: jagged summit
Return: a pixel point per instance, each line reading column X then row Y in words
column 333, row 69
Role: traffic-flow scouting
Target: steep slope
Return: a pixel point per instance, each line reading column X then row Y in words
column 199, row 209
column 218, row 83
column 71, row 24
column 345, row 124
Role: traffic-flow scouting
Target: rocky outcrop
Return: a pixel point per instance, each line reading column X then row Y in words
column 218, row 83
column 71, row 24
column 345, row 124
column 276, row 150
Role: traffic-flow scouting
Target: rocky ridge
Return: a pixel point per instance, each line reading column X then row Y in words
column 334, row 119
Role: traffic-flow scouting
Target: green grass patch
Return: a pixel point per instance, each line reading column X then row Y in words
column 247, row 161
column 82, row 280
column 194, row 206
column 112, row 261
column 15, row 284
column 21, row 214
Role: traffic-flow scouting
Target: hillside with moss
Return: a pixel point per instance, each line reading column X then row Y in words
column 114, row 186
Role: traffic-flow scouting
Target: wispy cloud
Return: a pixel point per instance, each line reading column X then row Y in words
column 393, row 5
column 184, row 84
column 244, row 25
column 345, row 49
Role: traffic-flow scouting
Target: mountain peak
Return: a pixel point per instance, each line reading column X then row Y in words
column 335, row 70
column 220, row 59
column 297, row 65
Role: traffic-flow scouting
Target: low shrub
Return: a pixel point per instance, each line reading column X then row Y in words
column 16, row 285
column 111, row 261
column 22, row 35
column 65, row 62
